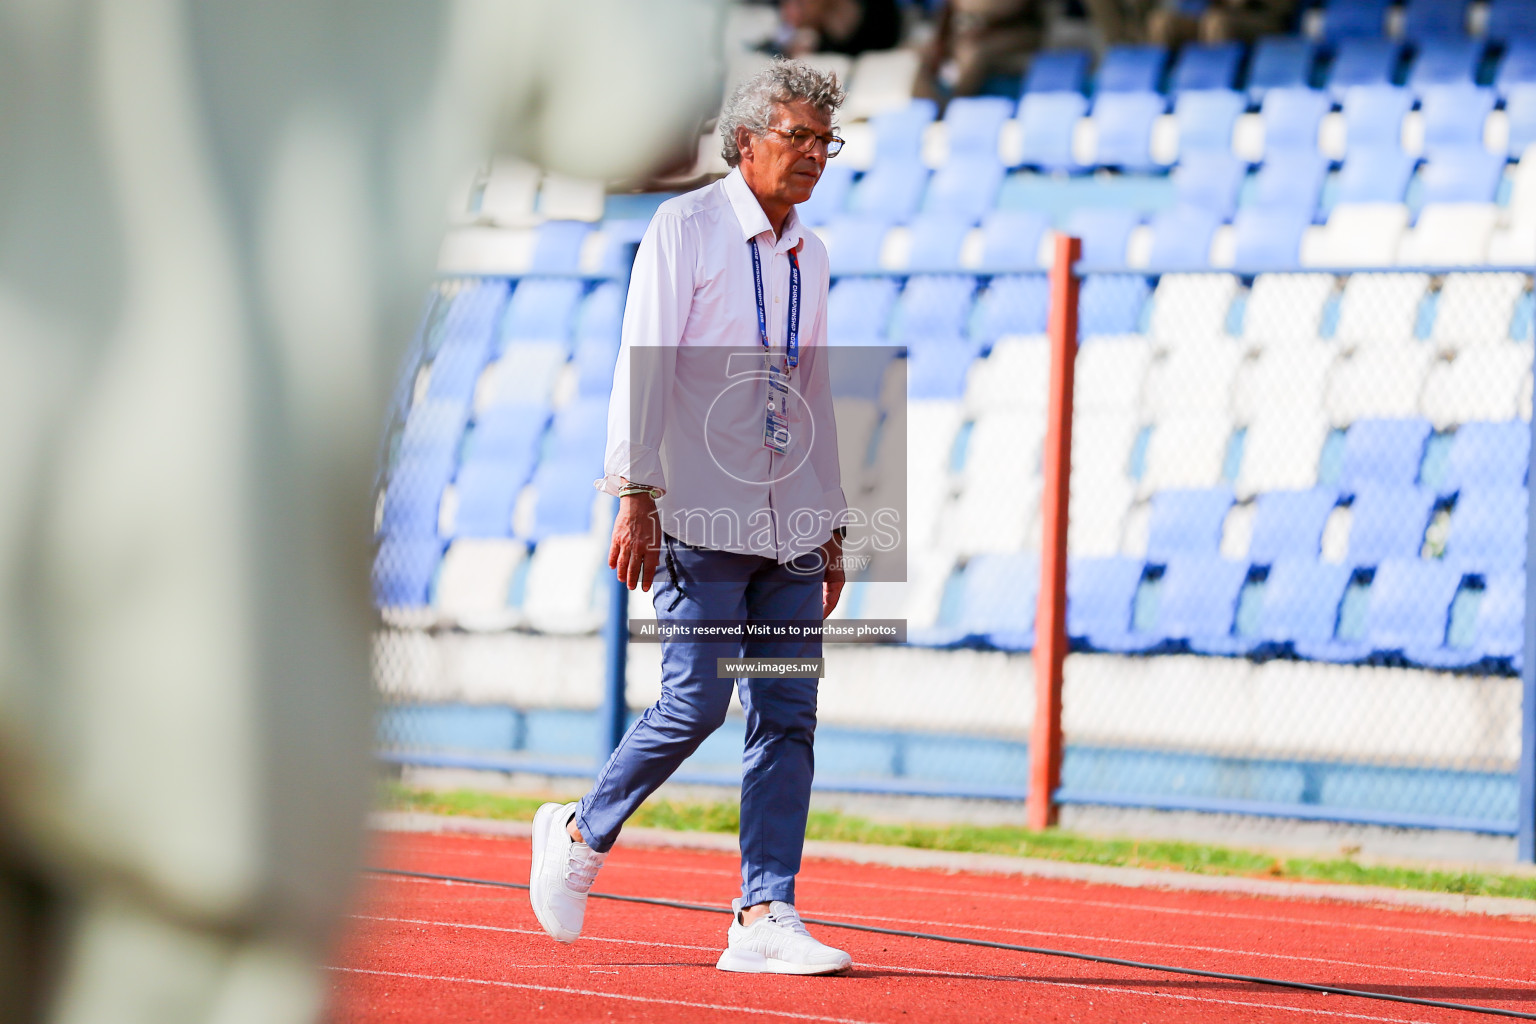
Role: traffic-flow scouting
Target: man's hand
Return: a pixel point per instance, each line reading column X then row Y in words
column 832, row 583
column 636, row 541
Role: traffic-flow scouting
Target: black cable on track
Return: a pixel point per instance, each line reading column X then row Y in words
column 1251, row 979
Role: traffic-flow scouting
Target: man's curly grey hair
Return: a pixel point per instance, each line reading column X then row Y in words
column 784, row 81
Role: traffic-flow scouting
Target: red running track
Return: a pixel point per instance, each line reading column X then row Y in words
column 433, row 951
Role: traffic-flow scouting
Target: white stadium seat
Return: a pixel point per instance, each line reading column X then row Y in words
column 510, row 193
column 1006, row 443
column 1283, row 379
column 1191, row 308
column 1281, row 450
column 525, row 375
column 1110, row 373
column 1016, row 375
column 1482, row 383
column 993, row 512
column 563, row 594
column 881, row 80
column 475, row 582
column 1101, row 444
column 1380, row 309
column 857, row 420
column 1514, row 246
column 1377, row 381
column 1476, row 309
column 1187, row 451
column 1286, row 308
column 1357, row 235
column 1192, row 379
column 1449, row 235
column 1096, row 514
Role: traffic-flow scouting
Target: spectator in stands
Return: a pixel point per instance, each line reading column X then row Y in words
column 1175, row 22
column 840, row 26
column 730, row 479
column 979, row 39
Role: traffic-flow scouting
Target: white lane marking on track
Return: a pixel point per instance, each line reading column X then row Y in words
column 1139, row 907
column 601, row 995
column 893, row 967
column 520, row 931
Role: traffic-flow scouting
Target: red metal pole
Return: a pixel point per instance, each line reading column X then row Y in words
column 1051, row 614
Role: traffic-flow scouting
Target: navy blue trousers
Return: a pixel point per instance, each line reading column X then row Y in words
column 777, row 762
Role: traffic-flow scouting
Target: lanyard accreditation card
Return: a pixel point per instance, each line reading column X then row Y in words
column 776, row 421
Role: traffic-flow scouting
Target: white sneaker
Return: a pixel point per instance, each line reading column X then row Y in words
column 777, row 943
column 562, row 873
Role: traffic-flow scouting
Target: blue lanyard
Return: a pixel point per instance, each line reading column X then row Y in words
column 792, row 344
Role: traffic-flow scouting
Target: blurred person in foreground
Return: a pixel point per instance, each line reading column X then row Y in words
column 723, row 452
column 218, row 224
column 839, row 26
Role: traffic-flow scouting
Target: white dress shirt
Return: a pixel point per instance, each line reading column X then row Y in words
column 689, row 397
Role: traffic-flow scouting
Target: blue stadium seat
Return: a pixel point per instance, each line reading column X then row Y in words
column 1124, row 122
column 594, row 359
column 1267, row 238
column 1488, row 527
column 1289, row 525
column 830, row 197
column 1427, row 21
column 1057, row 71
column 1410, row 604
column 507, row 433
column 1460, row 174
column 1105, row 232
column 1363, row 62
column 457, row 367
column 432, row 431
column 1210, row 180
column 937, row 366
column 1518, row 66
column 1373, row 116
column 899, row 133
column 472, row 315
column 1197, row 603
column 1100, row 592
column 858, row 308
column 890, row 190
column 563, row 496
column 1500, row 629
column 1112, row 303
column 1047, row 121
column 1130, row 69
column 1374, row 175
column 1350, row 19
column 1187, row 522
column 403, row 572
column 413, row 496
column 1206, row 66
column 1012, row 304
column 965, row 186
column 602, row 312
column 1454, row 115
column 937, row 239
column 1291, row 120
column 1291, row 181
column 1206, row 119
column 1520, row 108
column 620, row 236
column 1445, row 62
column 578, row 435
column 1280, row 62
column 1181, row 238
column 1301, row 600
column 541, row 310
column 972, row 124
column 1488, row 455
column 858, row 371
column 997, row 603
column 853, row 244
column 1386, row 452
column 933, row 304
column 1511, row 19
column 1011, row 239
column 1387, row 522
column 557, row 248
column 487, row 491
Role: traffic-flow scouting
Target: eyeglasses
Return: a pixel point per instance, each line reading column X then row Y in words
column 804, row 140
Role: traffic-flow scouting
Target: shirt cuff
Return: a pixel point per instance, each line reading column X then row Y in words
column 632, row 464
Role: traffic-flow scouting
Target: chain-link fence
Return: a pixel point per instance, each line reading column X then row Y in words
column 1297, row 538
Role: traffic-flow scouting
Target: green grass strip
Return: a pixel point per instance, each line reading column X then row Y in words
column 1166, row 855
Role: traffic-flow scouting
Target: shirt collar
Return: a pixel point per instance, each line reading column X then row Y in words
column 754, row 222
